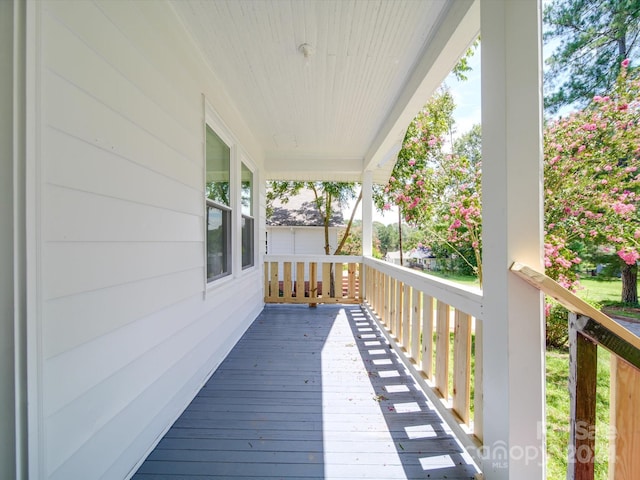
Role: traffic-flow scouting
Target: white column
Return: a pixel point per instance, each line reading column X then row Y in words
column 7, row 278
column 512, row 230
column 367, row 213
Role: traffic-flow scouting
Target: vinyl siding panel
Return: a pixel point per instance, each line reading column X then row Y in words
column 128, row 329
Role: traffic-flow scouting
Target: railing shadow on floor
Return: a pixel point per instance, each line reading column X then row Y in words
column 426, row 446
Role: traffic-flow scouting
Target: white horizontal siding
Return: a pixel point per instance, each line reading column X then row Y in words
column 74, row 112
column 89, row 167
column 115, row 219
column 127, row 334
column 300, row 240
column 77, row 267
column 147, row 353
column 71, row 321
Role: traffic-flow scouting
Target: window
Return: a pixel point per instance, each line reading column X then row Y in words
column 246, row 199
column 217, row 191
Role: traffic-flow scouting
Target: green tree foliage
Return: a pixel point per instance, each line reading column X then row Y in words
column 387, row 236
column 594, row 37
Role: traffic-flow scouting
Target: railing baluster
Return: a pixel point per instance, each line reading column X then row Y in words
column 351, row 273
column 275, row 284
column 389, row 289
column 442, row 350
column 478, row 400
column 392, row 305
column 267, row 289
column 338, row 281
column 462, row 366
column 427, row 335
column 399, row 310
column 300, row 280
column 415, row 326
column 583, row 365
column 380, row 278
column 406, row 317
column 287, row 283
column 326, row 280
column 624, row 460
column 313, row 280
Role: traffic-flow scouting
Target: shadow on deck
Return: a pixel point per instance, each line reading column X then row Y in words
column 310, row 393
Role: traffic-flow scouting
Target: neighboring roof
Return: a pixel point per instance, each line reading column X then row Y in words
column 301, row 211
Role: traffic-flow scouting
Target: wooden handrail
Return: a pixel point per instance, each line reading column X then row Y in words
column 588, row 328
column 572, row 302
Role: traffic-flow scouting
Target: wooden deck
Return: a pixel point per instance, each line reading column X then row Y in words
column 309, row 393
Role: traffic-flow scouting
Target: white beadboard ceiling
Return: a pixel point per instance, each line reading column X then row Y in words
column 345, row 108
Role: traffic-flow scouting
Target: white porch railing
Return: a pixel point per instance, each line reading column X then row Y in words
column 434, row 325
column 436, row 328
column 312, row 279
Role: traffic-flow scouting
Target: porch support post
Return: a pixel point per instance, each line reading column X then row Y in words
column 513, row 327
column 367, row 213
column 13, row 403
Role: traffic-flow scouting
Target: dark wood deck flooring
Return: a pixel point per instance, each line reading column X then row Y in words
column 309, row 393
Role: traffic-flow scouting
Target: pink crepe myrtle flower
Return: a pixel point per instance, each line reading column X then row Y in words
column 630, row 257
column 625, row 63
column 563, row 262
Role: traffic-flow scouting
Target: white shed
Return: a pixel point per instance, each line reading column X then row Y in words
column 296, row 226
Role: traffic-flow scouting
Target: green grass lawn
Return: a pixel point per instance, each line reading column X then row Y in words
column 463, row 279
column 600, row 291
column 558, row 414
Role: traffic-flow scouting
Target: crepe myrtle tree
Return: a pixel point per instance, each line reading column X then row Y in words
column 423, row 144
column 436, row 183
column 592, row 183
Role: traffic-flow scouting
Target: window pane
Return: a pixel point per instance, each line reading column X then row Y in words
column 218, row 169
column 247, row 242
column 247, row 191
column 218, row 244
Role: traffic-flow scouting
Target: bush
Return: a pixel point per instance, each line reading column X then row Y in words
column 557, row 333
column 557, row 321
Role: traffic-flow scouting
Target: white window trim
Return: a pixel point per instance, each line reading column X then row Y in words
column 237, row 156
column 213, row 120
column 244, row 159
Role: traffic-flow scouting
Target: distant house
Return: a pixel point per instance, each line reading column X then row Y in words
column 393, row 257
column 420, row 257
column 296, row 227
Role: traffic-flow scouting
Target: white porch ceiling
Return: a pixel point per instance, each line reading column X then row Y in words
column 344, row 109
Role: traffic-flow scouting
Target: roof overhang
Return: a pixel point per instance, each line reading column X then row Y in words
column 341, row 108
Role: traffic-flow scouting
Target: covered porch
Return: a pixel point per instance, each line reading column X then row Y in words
column 116, row 315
